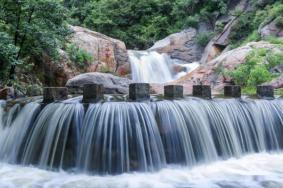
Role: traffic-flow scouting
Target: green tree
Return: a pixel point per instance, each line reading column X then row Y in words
column 8, row 54
column 140, row 23
column 37, row 27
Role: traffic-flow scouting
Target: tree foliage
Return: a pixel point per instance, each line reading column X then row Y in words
column 142, row 22
column 36, row 27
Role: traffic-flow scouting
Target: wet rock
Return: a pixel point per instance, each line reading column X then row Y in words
column 112, row 84
column 181, row 46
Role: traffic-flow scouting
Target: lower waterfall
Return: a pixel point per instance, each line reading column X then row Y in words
column 153, row 67
column 119, row 137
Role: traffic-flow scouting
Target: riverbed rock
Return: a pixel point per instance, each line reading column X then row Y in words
column 210, row 73
column 7, row 93
column 272, row 29
column 112, row 84
column 108, row 54
column 181, row 46
column 276, row 83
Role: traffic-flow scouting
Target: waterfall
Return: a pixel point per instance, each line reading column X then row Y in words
column 152, row 67
column 117, row 137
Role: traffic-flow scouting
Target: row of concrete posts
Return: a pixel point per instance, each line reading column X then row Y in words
column 141, row 91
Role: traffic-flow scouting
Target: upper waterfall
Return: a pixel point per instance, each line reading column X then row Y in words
column 153, row 67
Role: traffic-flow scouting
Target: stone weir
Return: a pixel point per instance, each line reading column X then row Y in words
column 91, row 134
column 139, row 92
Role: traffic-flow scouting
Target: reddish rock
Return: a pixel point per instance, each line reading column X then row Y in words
column 276, row 83
column 108, row 53
column 209, row 73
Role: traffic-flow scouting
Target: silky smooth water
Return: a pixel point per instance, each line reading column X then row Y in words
column 153, row 67
column 251, row 171
column 122, row 137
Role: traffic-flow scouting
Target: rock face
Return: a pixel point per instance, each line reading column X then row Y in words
column 109, row 55
column 222, row 40
column 272, row 29
column 209, row 73
column 276, row 83
column 112, row 84
column 180, row 46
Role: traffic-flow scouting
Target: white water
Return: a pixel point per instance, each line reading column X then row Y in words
column 253, row 171
column 152, row 67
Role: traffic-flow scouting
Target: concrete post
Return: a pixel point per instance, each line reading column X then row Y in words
column 92, row 93
column 203, row 91
column 173, row 91
column 232, row 91
column 139, row 91
column 53, row 94
column 265, row 91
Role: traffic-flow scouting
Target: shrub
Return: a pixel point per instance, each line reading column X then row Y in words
column 279, row 21
column 203, row 38
column 258, row 75
column 78, row 55
column 255, row 70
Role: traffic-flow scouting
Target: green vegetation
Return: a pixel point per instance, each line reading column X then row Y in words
column 30, row 29
column 256, row 69
column 248, row 24
column 203, row 38
column 142, row 22
column 78, row 56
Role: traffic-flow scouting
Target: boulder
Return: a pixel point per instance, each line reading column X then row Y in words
column 112, row 84
column 7, row 93
column 209, row 73
column 181, row 46
column 222, row 40
column 276, row 83
column 108, row 54
column 272, row 29
column 59, row 72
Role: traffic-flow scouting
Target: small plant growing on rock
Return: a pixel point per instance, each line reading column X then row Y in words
column 78, row 55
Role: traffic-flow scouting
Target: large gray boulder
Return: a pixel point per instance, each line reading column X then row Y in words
column 181, row 46
column 112, row 84
column 276, row 83
column 272, row 29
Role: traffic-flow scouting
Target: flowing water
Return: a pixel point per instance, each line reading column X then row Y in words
column 152, row 67
column 181, row 143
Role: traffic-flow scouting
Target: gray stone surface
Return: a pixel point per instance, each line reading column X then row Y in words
column 232, row 91
column 203, row 91
column 181, row 46
column 173, row 91
column 265, row 91
column 92, row 93
column 53, row 94
column 112, row 84
column 139, row 91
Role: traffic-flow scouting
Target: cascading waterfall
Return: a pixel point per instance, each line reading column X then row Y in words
column 117, row 137
column 152, row 67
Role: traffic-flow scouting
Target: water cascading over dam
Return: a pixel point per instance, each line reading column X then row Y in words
column 153, row 67
column 117, row 137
